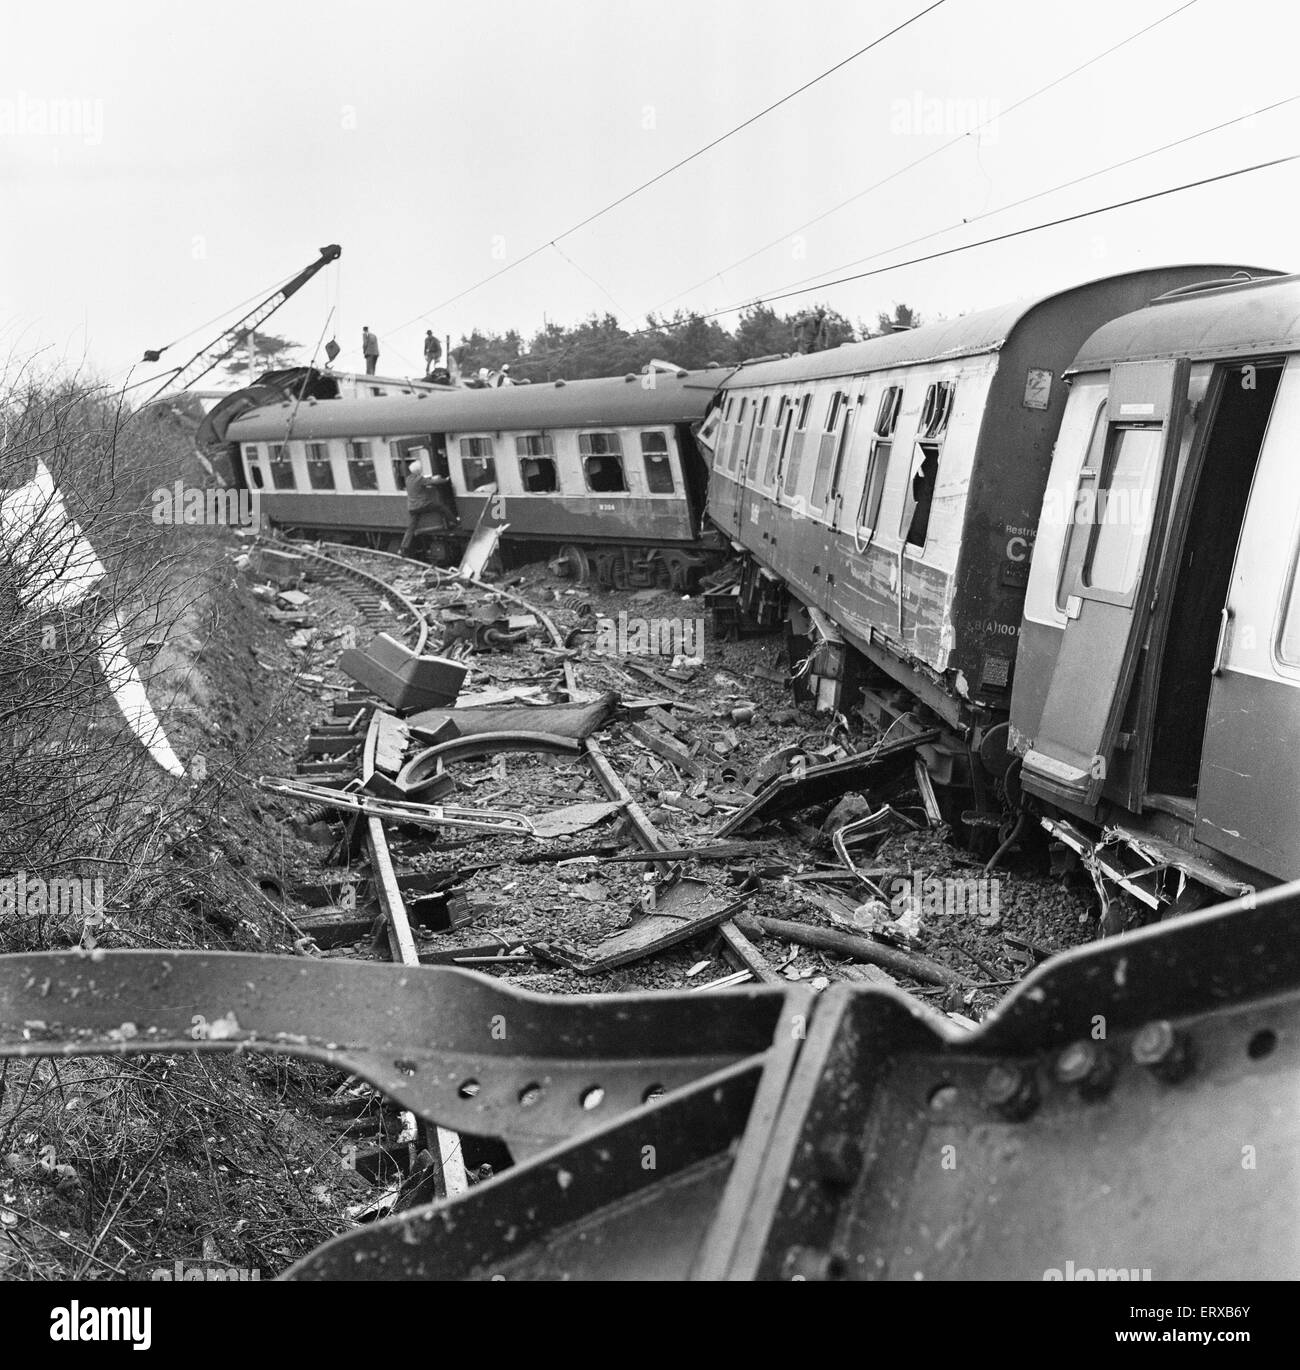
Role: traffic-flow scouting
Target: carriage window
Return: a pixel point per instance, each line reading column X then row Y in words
column 882, row 444
column 537, row 475
column 478, row 472
column 536, row 453
column 405, row 451
column 361, row 467
column 477, row 463
column 281, row 466
column 600, row 445
column 1123, row 509
column 535, row 445
column 937, row 408
column 734, row 449
column 1080, row 514
column 658, row 468
column 914, row 526
column 774, row 443
column 827, row 452
column 602, row 462
column 796, row 444
column 604, row 474
column 255, row 476
column 320, row 474
column 915, row 523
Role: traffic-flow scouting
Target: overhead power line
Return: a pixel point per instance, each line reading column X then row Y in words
column 667, row 326
column 1003, row 237
column 1040, row 194
column 677, row 166
column 925, row 157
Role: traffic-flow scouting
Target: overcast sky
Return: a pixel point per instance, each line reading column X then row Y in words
column 163, row 162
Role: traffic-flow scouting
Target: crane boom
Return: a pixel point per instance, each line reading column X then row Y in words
column 199, row 365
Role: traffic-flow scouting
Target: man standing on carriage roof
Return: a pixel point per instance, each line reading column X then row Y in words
column 369, row 349
column 432, row 353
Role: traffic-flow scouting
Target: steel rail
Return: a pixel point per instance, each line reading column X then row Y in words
column 449, row 1159
column 419, row 624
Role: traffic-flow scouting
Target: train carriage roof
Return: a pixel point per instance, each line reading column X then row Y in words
column 1225, row 319
column 620, row 401
column 984, row 330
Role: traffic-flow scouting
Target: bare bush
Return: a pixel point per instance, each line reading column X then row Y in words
column 83, row 565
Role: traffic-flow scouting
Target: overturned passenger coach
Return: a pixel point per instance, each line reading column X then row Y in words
column 604, row 473
column 1157, row 692
column 1114, row 450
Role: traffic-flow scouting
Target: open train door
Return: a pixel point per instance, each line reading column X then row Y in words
column 1109, row 569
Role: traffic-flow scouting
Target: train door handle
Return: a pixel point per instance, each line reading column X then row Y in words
column 1225, row 639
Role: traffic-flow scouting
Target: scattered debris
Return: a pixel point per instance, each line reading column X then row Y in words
column 679, row 909
column 857, row 948
column 399, row 677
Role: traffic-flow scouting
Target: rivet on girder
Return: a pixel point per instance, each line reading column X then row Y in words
column 1087, row 1066
column 1166, row 1053
column 1012, row 1090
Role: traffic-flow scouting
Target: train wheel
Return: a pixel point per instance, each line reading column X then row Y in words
column 573, row 563
column 618, row 576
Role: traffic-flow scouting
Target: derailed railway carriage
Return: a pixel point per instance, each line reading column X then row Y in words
column 605, row 472
column 894, row 486
column 1071, row 531
column 1157, row 692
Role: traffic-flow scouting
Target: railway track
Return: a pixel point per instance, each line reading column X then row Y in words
column 378, row 603
column 376, row 600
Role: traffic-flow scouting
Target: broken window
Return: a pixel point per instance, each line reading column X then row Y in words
column 320, row 474
column 361, row 467
column 604, row 474
column 914, row 526
column 536, row 453
column 658, row 467
column 281, row 465
column 537, row 475
column 602, row 462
